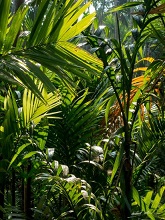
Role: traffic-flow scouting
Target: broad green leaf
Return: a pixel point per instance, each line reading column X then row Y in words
column 30, row 154
column 46, row 27
column 14, row 28
column 20, row 149
column 83, row 58
column 65, row 58
column 42, row 133
column 138, row 199
column 161, row 209
column 38, row 22
column 8, row 77
column 59, row 170
column 27, row 156
column 35, row 109
column 4, row 14
column 125, row 6
column 117, row 163
column 150, row 215
column 61, row 13
column 158, row 197
column 77, row 28
column 10, row 121
column 80, row 100
column 40, row 75
column 147, row 198
column 21, row 71
column 71, row 28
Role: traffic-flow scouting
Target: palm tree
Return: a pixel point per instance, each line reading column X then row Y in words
column 19, row 129
column 82, row 166
column 132, row 93
column 27, row 42
column 34, row 38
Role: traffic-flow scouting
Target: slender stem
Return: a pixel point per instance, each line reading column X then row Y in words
column 124, row 80
column 13, row 187
column 118, row 98
column 2, row 191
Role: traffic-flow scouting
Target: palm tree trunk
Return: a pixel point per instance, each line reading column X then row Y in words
column 126, row 183
column 13, row 187
column 2, row 191
column 27, row 195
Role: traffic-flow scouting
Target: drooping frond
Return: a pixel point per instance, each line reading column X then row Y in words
column 46, row 42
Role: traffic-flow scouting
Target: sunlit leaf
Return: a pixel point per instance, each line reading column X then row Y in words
column 125, row 6
column 19, row 151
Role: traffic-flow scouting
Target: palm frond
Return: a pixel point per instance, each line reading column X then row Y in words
column 150, row 205
column 12, row 212
column 150, row 141
column 74, row 196
column 34, row 109
column 22, row 121
column 79, row 119
column 45, row 42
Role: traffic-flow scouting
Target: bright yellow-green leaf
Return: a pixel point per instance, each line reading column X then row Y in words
column 148, row 197
column 158, row 197
column 4, row 14
column 19, row 151
column 14, row 28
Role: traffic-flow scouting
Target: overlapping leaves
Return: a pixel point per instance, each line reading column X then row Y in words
column 45, row 42
column 19, row 122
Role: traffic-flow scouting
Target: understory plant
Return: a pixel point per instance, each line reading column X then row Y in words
column 82, row 134
column 136, row 81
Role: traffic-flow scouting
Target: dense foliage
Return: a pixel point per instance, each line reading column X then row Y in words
column 82, row 128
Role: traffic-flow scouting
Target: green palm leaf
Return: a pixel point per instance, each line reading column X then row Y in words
column 14, row 28
column 24, row 47
column 35, row 109
column 19, row 121
column 79, row 125
column 4, row 14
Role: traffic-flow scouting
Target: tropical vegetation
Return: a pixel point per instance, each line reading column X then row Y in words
column 82, row 128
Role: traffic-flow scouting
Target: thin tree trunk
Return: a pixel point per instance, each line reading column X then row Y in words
column 102, row 12
column 128, row 186
column 22, row 194
column 2, row 191
column 13, row 187
column 127, row 178
column 27, row 195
